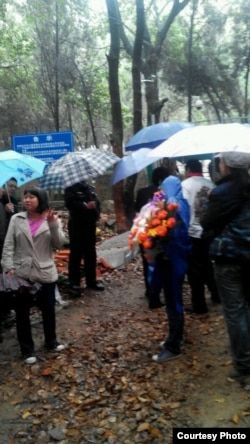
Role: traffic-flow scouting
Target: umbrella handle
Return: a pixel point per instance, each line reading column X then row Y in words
column 7, row 191
column 6, row 187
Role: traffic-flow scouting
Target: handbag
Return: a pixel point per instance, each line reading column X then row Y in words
column 11, row 286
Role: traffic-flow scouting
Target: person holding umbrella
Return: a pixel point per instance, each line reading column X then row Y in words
column 9, row 200
column 226, row 224
column 84, row 211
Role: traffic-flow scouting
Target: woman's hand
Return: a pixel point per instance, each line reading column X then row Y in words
column 51, row 216
column 11, row 272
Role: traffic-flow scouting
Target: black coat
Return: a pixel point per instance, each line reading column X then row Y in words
column 224, row 204
column 75, row 198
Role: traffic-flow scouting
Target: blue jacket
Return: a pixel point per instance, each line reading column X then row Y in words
column 178, row 246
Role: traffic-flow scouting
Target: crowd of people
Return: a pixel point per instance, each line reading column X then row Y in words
column 210, row 246
column 213, row 251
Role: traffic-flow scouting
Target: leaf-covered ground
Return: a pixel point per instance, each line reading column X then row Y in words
column 105, row 388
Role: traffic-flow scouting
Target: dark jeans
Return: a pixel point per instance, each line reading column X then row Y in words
column 172, row 281
column 200, row 273
column 23, row 303
column 145, row 271
column 82, row 246
column 234, row 288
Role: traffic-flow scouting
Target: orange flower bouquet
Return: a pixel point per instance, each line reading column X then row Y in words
column 153, row 226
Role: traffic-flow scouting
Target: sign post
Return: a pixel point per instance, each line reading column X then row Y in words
column 44, row 146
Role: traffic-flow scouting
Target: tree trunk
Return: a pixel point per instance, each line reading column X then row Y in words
column 190, row 59
column 137, row 105
column 116, row 113
column 57, row 97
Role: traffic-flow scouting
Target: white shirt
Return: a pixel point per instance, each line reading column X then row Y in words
column 195, row 190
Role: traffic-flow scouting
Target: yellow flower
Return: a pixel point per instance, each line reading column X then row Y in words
column 152, row 232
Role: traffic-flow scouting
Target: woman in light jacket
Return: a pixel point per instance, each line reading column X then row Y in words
column 28, row 253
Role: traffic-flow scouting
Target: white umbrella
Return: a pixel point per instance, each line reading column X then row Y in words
column 205, row 140
column 132, row 164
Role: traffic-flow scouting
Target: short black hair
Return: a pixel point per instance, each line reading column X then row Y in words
column 194, row 165
column 214, row 169
column 42, row 197
column 158, row 175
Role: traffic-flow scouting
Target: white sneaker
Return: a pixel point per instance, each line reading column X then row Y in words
column 30, row 360
column 58, row 348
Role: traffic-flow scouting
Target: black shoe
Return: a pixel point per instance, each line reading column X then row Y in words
column 215, row 300
column 95, row 287
column 190, row 310
column 74, row 285
column 155, row 304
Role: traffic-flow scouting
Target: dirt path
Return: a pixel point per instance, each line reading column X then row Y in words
column 105, row 388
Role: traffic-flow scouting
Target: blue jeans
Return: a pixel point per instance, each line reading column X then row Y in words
column 234, row 288
column 46, row 302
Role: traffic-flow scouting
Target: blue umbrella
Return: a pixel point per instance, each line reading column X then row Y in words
column 151, row 136
column 22, row 167
column 132, row 164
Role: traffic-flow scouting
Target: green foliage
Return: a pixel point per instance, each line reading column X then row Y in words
column 30, row 65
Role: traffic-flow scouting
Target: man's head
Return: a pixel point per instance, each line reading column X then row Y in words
column 233, row 160
column 214, row 170
column 158, row 175
column 11, row 186
column 193, row 166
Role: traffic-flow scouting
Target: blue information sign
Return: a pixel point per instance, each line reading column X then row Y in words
column 45, row 146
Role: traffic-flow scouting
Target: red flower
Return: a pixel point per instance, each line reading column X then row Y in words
column 171, row 222
column 161, row 231
column 147, row 244
column 155, row 222
column 172, row 206
column 162, row 214
column 142, row 237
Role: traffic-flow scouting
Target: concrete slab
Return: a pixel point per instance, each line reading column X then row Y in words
column 116, row 250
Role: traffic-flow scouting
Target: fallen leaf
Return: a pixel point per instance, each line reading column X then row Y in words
column 108, row 433
column 142, row 427
column 72, row 432
column 140, row 398
column 155, row 433
column 25, row 415
column 47, row 371
column 236, row 418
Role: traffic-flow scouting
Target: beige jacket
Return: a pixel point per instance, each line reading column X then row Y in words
column 32, row 258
